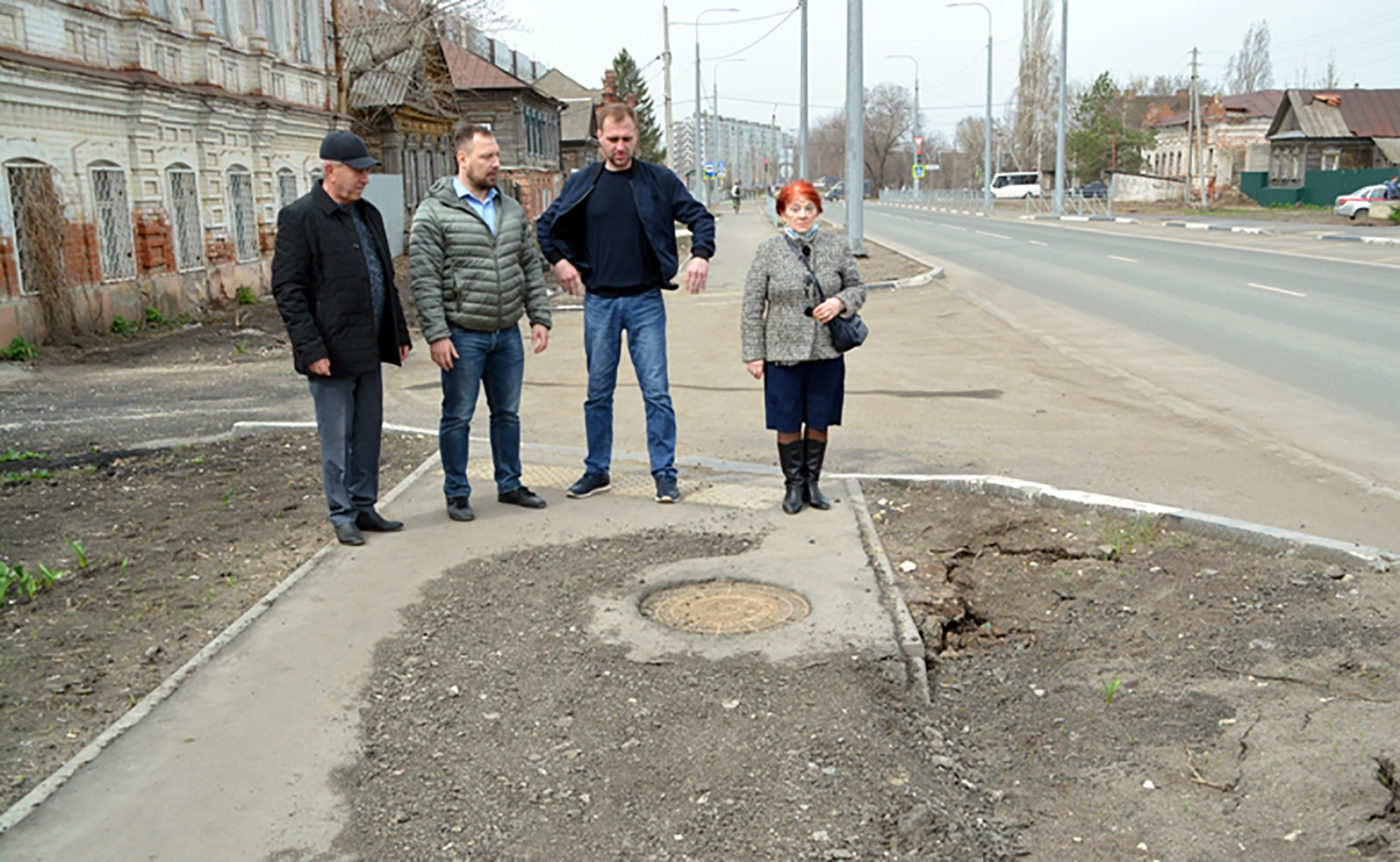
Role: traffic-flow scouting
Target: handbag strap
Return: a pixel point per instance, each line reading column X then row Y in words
column 805, row 262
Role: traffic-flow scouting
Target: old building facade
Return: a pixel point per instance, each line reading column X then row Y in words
column 147, row 146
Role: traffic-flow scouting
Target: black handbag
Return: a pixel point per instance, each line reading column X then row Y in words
column 846, row 332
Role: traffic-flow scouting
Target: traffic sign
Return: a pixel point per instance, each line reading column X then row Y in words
column 709, row 169
column 918, row 172
column 720, row 170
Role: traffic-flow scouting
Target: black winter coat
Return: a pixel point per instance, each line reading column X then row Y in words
column 321, row 284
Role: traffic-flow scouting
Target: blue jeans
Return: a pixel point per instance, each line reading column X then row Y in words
column 643, row 317
column 349, row 413
column 497, row 360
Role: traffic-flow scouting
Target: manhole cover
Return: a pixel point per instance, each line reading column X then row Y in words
column 725, row 607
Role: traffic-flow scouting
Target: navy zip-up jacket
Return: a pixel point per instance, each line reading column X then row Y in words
column 661, row 202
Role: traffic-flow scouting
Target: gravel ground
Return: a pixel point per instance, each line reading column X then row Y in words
column 494, row 728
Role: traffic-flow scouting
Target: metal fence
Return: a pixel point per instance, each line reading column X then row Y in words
column 245, row 228
column 972, row 200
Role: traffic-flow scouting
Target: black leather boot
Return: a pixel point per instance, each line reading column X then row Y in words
column 790, row 459
column 814, row 454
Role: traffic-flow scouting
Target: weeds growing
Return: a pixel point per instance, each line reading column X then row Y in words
column 244, row 296
column 20, row 350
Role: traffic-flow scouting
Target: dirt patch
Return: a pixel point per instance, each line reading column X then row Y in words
column 492, row 729
column 1134, row 691
column 175, row 545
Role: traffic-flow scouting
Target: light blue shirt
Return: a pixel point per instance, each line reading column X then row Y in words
column 486, row 209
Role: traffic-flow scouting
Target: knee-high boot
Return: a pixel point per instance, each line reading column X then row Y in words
column 794, row 479
column 814, row 454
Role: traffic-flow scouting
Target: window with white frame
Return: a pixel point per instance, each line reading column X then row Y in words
column 306, row 15
column 116, row 249
column 185, row 230
column 267, row 13
column 245, row 225
column 218, row 10
column 286, row 187
column 1331, row 158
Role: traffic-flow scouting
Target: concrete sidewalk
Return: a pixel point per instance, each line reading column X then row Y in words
column 236, row 762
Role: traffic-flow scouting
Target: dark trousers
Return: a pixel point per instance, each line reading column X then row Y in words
column 349, row 414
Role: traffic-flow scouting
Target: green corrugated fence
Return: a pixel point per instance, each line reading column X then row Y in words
column 1319, row 188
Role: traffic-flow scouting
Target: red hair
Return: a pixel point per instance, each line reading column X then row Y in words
column 799, row 189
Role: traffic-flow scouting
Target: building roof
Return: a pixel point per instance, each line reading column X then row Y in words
column 1244, row 106
column 1338, row 113
column 576, row 123
column 470, row 72
column 561, row 86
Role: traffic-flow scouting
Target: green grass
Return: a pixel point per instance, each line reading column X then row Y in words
column 155, row 318
column 122, row 326
column 244, row 296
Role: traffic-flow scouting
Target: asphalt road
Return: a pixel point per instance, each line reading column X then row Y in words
column 1324, row 325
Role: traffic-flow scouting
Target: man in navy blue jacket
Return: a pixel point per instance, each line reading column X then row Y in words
column 611, row 238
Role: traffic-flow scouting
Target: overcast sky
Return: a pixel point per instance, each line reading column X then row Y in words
column 1124, row 37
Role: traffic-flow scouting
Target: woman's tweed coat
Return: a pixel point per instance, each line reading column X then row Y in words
column 772, row 324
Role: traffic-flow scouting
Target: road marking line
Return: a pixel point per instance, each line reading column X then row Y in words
column 1276, row 289
column 1037, row 242
column 989, row 233
column 1124, row 259
column 951, row 226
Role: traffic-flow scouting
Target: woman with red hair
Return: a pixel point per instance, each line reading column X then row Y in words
column 797, row 283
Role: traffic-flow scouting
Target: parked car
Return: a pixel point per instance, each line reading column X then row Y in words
column 1023, row 184
column 1096, row 189
column 1358, row 203
column 838, row 191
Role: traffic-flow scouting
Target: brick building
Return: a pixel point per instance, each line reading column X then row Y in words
column 1234, row 131
column 147, row 146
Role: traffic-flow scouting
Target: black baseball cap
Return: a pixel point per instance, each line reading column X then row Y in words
column 348, row 149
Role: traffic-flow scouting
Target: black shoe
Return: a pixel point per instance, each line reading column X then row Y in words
column 374, row 522
column 349, row 534
column 794, row 482
column 522, row 496
column 589, row 484
column 460, row 509
column 666, row 490
column 814, row 454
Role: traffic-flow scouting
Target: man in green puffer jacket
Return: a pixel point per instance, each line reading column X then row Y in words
column 476, row 271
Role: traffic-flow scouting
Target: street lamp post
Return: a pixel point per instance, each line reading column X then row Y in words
column 714, row 105
column 911, row 59
column 699, row 166
column 987, row 132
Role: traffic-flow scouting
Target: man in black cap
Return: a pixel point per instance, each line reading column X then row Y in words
column 333, row 279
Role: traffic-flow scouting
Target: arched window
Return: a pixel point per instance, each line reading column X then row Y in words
column 185, row 230
column 35, row 215
column 286, row 187
column 240, row 204
column 116, row 250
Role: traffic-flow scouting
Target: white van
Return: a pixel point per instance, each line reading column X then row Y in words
column 1023, row 184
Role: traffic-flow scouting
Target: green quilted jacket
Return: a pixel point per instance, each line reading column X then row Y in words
column 464, row 275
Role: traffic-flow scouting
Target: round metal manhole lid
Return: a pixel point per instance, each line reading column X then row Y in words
column 725, row 607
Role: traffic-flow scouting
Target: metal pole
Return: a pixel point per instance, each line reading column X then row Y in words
column 802, row 101
column 701, row 185
column 915, row 61
column 698, row 176
column 855, row 130
column 987, row 131
column 666, row 61
column 1058, row 199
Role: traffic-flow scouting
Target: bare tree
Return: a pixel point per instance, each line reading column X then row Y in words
column 1033, row 130
column 889, row 122
column 1250, row 69
column 826, row 142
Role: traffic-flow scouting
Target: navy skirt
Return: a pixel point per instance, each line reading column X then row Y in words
column 808, row 393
